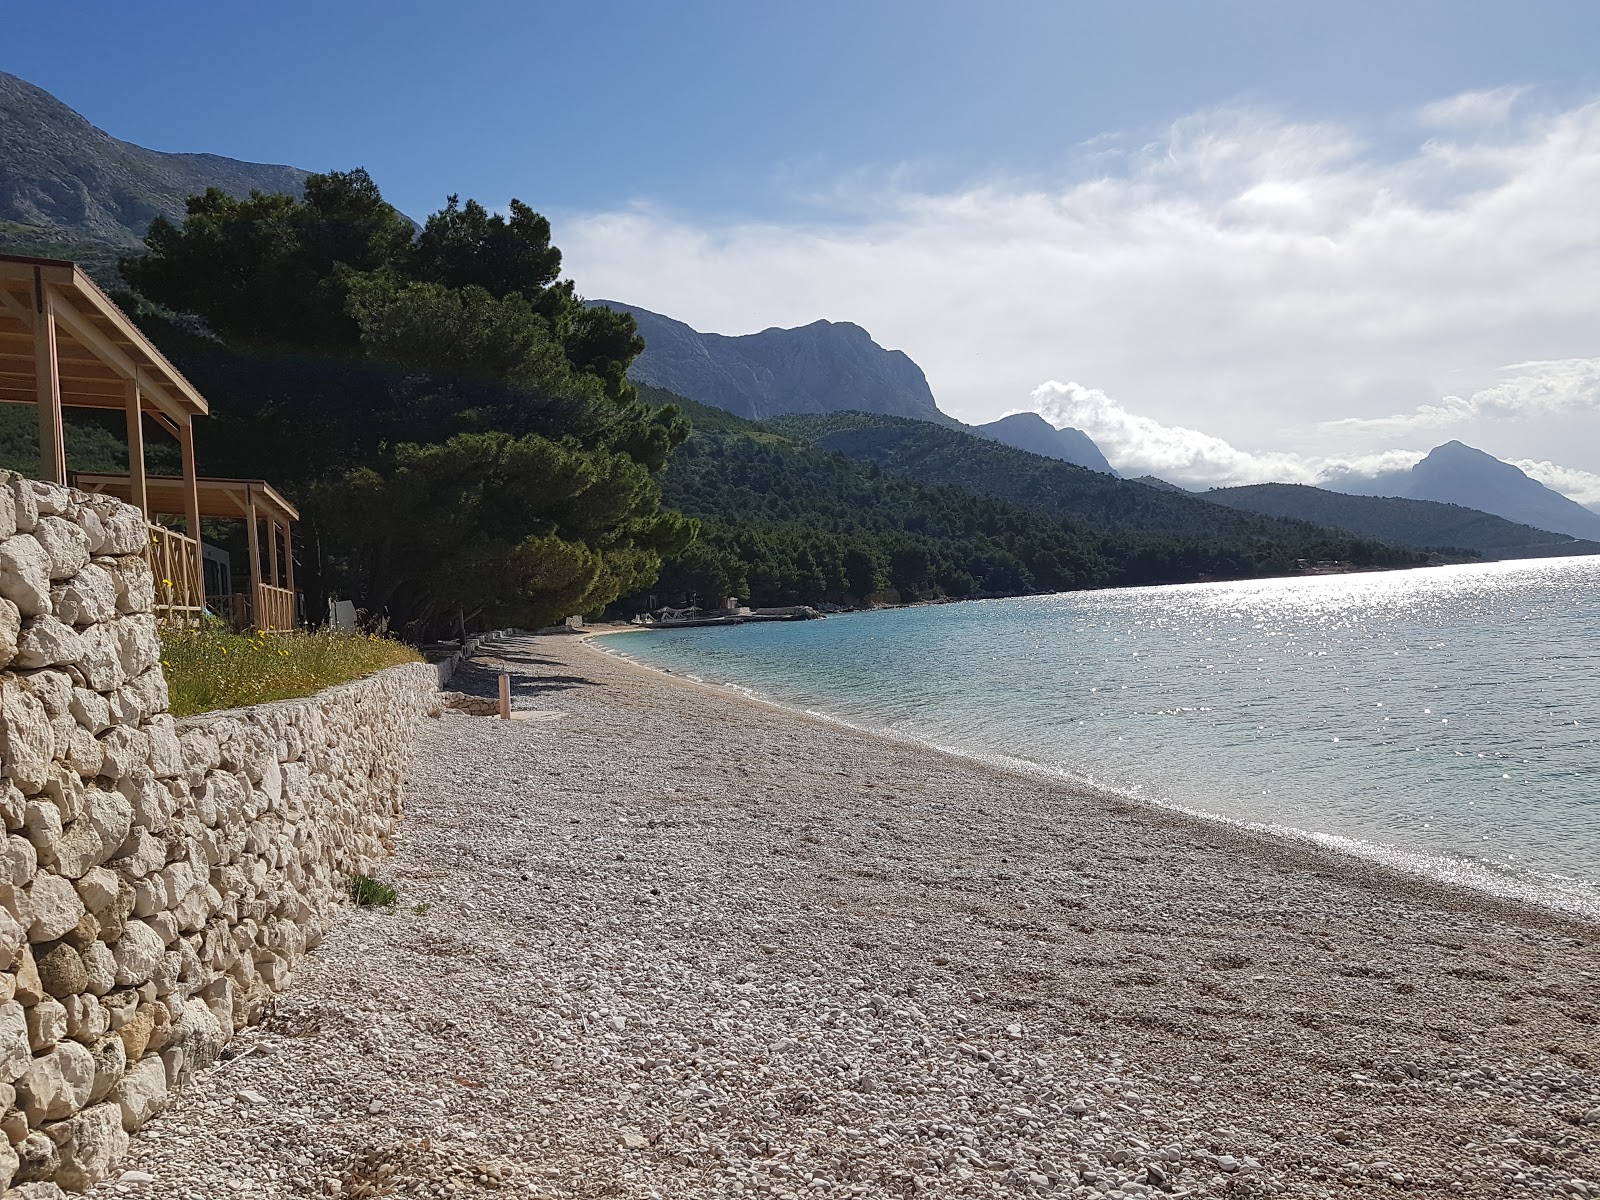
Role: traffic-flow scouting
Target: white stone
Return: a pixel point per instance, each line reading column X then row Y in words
column 56, row 1084
column 94, row 529
column 96, row 834
column 142, row 1093
column 25, row 509
column 16, row 1052
column 49, row 499
column 88, row 598
column 126, row 532
column 110, row 1063
column 18, row 861
column 138, row 645
column 166, row 754
column 89, row 709
column 138, row 953
column 54, row 690
column 54, row 907
column 91, row 1143
column 10, row 627
column 47, row 1024
column 66, row 546
column 27, row 745
column 100, row 965
column 47, row 642
column 101, row 660
column 25, row 574
column 42, row 826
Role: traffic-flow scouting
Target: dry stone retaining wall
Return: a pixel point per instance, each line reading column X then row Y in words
column 159, row 879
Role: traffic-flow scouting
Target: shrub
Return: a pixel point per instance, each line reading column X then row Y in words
column 370, row 893
column 209, row 669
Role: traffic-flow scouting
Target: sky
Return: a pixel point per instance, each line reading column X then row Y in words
column 1231, row 241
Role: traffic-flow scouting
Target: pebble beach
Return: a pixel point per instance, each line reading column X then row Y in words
column 657, row 939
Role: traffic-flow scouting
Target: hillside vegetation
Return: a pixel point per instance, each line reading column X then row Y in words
column 1421, row 523
column 785, row 518
column 929, row 454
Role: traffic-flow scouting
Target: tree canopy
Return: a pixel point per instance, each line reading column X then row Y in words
column 457, row 421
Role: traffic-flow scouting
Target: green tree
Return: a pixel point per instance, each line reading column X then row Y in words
column 444, row 401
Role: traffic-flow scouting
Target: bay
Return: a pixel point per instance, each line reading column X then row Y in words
column 1443, row 720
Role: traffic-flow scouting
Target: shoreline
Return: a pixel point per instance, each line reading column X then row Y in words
column 1270, row 838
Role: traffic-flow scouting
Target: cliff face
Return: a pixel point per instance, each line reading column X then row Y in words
column 58, row 172
column 826, row 366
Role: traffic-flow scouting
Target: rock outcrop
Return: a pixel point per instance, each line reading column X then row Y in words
column 159, row 879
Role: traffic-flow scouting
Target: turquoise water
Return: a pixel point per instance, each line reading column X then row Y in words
column 1442, row 720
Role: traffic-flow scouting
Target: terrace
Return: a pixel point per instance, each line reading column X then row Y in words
column 64, row 344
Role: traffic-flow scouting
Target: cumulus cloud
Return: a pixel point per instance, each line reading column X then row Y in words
column 1536, row 389
column 1274, row 282
column 1140, row 445
column 1582, row 486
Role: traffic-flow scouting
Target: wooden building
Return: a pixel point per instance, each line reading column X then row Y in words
column 64, row 344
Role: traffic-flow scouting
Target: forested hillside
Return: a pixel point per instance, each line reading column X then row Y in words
column 928, row 454
column 783, row 521
column 1422, row 523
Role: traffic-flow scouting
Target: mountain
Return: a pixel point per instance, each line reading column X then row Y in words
column 62, row 179
column 1161, row 485
column 826, row 366
column 1031, row 432
column 1458, row 474
column 1426, row 524
column 787, row 520
column 946, row 457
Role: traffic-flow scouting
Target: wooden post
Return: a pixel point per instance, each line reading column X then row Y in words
column 191, row 502
column 255, row 558
column 138, row 494
column 47, row 380
column 272, row 554
column 505, row 696
column 288, row 555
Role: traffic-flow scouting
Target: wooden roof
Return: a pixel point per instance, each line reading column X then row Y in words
column 223, row 498
column 99, row 349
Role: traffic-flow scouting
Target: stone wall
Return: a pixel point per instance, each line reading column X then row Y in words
column 160, row 878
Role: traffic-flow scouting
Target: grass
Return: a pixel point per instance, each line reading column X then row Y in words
column 208, row 669
column 371, row 893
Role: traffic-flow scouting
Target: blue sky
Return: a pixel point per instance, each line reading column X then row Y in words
column 1238, row 238
column 731, row 109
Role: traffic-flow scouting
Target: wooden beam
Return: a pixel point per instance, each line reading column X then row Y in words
column 16, row 308
column 191, row 496
column 47, row 392
column 255, row 558
column 92, row 339
column 138, row 495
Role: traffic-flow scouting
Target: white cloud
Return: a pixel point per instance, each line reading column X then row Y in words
column 1472, row 109
column 1263, row 279
column 1139, row 445
column 1582, row 486
column 1537, row 389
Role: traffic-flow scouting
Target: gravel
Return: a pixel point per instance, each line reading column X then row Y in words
column 665, row 941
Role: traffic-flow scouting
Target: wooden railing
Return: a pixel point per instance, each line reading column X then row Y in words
column 274, row 608
column 180, row 589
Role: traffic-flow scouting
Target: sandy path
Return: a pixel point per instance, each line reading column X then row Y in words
column 675, row 943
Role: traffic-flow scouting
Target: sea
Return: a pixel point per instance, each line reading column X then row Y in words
column 1445, row 721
